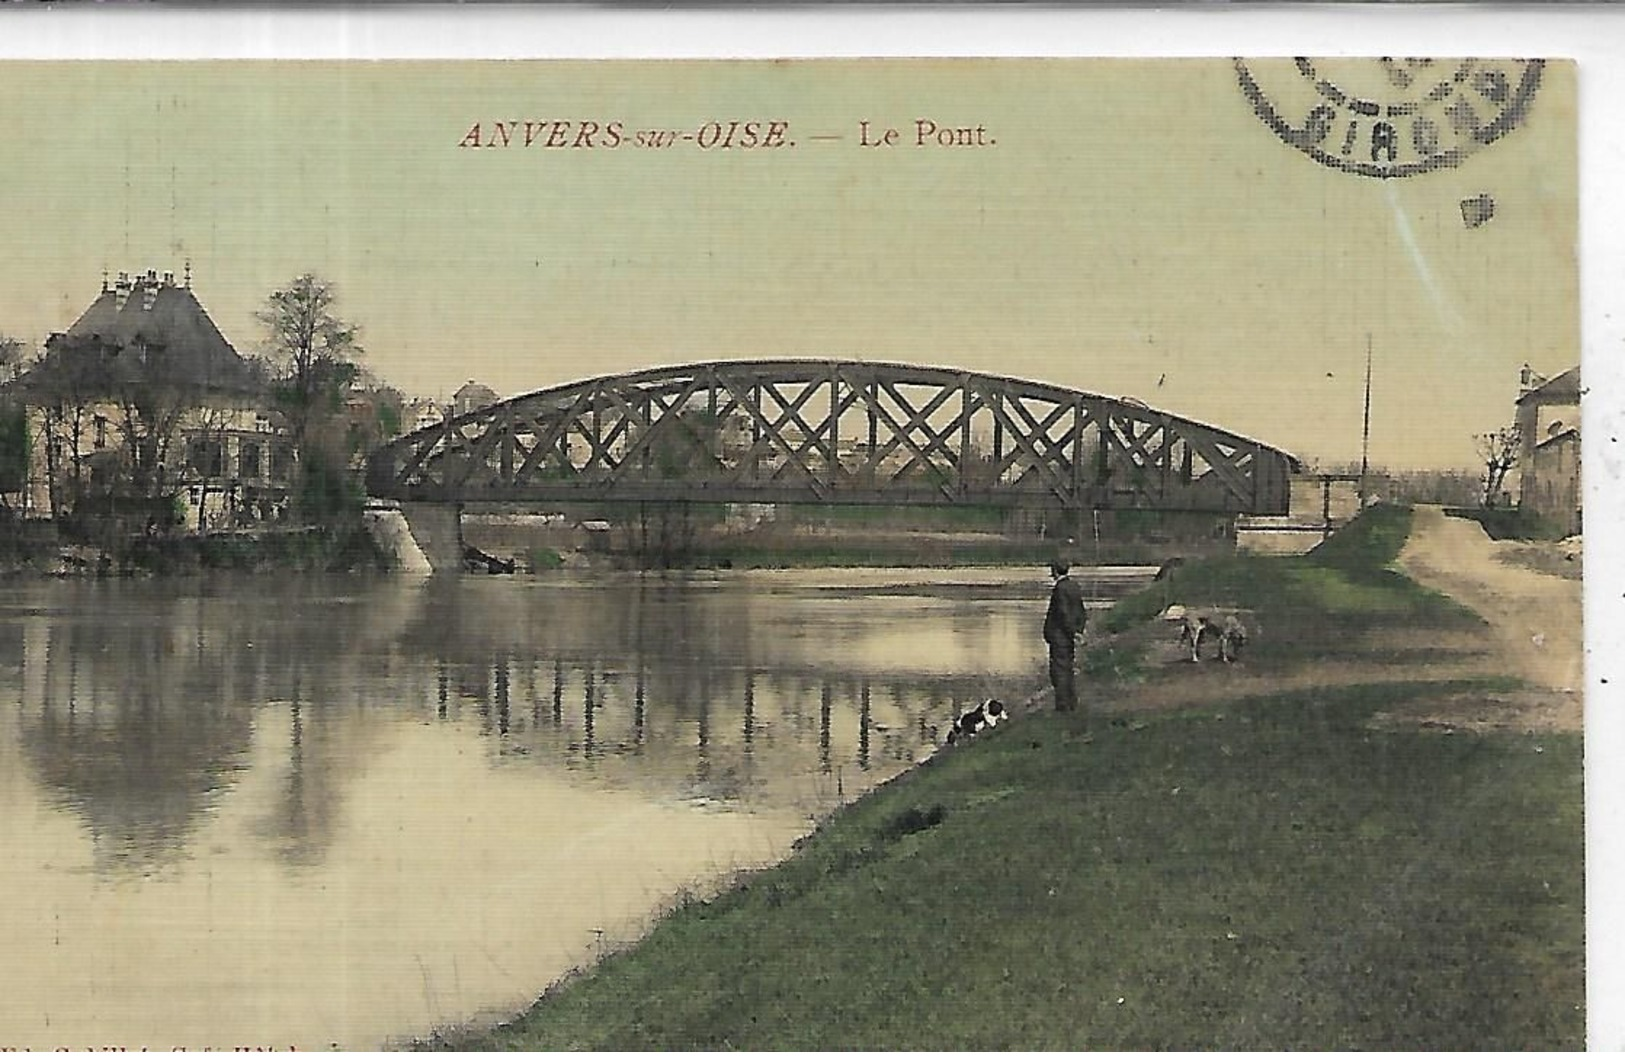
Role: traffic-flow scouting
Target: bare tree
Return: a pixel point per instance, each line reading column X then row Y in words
column 1497, row 453
column 312, row 351
column 64, row 389
column 76, row 376
column 206, row 457
column 13, row 424
column 151, row 411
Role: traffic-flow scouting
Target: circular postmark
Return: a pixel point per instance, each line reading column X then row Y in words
column 1390, row 117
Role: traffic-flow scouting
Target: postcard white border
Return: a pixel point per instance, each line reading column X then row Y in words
column 1593, row 34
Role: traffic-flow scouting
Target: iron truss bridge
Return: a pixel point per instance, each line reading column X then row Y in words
column 806, row 431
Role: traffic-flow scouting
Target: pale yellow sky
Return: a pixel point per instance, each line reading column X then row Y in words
column 1134, row 229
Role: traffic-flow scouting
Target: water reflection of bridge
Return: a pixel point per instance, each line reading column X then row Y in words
column 586, row 712
column 142, row 708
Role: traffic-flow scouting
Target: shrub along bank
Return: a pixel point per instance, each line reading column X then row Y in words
column 318, row 548
column 1271, row 871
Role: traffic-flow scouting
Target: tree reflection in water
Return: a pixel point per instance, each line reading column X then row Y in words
column 141, row 704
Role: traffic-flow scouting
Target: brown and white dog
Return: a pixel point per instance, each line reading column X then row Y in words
column 1198, row 624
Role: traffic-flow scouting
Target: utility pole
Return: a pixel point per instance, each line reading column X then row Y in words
column 1365, row 428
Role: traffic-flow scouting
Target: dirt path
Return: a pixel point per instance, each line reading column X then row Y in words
column 1535, row 617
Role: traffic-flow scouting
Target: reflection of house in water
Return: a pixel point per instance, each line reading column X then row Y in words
column 141, row 727
column 105, row 726
column 1549, row 453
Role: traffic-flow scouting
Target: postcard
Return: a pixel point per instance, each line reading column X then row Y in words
column 962, row 553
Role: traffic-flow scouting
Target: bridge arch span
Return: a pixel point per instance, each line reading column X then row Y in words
column 831, row 431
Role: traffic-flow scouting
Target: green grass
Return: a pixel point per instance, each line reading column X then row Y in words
column 1311, row 605
column 936, row 518
column 1372, row 541
column 1116, row 663
column 1274, row 874
column 1511, row 522
column 543, row 558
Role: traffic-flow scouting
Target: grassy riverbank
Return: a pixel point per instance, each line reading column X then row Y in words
column 1282, row 863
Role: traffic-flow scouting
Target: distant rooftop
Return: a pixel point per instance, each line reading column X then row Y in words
column 473, row 390
column 1565, row 388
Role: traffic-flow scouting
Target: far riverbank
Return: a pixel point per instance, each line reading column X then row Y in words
column 315, row 548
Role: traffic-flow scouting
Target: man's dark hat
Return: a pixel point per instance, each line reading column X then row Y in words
column 1059, row 568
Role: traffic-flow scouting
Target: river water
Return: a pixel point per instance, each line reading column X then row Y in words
column 318, row 812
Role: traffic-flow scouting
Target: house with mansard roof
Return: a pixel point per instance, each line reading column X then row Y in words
column 144, row 398
column 149, row 330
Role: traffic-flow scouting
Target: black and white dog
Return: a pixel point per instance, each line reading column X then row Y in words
column 984, row 716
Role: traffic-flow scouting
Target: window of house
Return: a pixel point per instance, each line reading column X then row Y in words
column 206, row 456
column 99, row 424
column 249, row 460
column 281, row 462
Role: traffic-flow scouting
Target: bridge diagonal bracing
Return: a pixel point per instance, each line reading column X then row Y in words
column 811, row 431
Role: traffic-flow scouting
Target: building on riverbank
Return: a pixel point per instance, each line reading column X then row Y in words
column 142, row 407
column 422, row 414
column 1548, row 417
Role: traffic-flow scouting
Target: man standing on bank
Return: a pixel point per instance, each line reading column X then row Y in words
column 1062, row 625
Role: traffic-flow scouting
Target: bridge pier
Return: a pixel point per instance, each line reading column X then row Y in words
column 437, row 529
